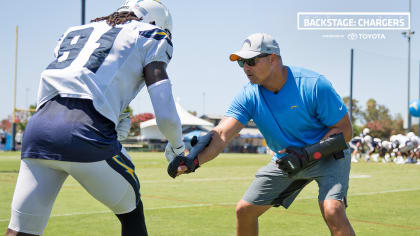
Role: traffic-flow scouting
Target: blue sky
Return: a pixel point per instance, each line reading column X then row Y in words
column 206, row 32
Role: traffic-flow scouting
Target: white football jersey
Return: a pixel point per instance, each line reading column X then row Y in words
column 402, row 138
column 416, row 140
column 104, row 64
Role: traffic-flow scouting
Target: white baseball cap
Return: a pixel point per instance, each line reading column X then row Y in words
column 255, row 45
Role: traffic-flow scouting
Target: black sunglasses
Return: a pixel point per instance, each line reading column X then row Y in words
column 251, row 61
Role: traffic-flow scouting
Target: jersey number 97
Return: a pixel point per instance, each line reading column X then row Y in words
column 73, row 43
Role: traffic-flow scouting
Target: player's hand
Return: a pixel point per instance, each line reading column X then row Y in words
column 171, row 153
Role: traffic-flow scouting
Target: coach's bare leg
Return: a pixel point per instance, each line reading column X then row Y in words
column 334, row 213
column 247, row 218
column 14, row 233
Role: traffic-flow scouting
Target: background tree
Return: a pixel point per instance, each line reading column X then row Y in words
column 377, row 118
column 397, row 125
column 129, row 110
column 24, row 117
column 6, row 125
column 375, row 112
column 357, row 111
column 415, row 129
column 137, row 119
column 356, row 114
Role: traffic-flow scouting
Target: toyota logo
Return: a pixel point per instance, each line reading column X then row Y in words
column 352, row 36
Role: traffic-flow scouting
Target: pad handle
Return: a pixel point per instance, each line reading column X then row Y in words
column 333, row 145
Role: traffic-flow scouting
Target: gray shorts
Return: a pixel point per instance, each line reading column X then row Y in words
column 273, row 187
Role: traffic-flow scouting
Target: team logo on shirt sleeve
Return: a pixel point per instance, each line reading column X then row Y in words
column 157, row 34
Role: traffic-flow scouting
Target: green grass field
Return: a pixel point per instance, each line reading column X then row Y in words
column 384, row 199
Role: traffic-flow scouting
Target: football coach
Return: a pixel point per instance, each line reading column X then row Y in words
column 305, row 123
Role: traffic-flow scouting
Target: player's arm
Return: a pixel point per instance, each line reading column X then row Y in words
column 155, row 72
column 160, row 91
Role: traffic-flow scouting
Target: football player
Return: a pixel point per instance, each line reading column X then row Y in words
column 99, row 68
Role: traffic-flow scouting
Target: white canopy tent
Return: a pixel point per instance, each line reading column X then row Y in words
column 149, row 129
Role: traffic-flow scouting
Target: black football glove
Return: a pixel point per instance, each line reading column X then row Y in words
column 295, row 160
column 298, row 158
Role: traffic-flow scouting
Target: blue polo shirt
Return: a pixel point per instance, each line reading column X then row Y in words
column 297, row 115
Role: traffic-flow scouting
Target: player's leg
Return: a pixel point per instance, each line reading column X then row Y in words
column 114, row 183
column 334, row 213
column 359, row 151
column 369, row 152
column 408, row 159
column 38, row 184
column 271, row 187
column 354, row 149
column 333, row 184
column 247, row 217
column 133, row 223
column 375, row 157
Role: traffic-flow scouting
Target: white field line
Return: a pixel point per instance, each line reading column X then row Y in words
column 106, row 212
column 225, row 204
column 211, row 180
column 185, row 180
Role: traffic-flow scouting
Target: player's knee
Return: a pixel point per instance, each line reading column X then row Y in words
column 333, row 211
column 241, row 210
column 245, row 210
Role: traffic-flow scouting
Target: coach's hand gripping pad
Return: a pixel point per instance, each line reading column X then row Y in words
column 190, row 161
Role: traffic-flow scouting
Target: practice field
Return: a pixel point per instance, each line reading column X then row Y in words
column 384, row 199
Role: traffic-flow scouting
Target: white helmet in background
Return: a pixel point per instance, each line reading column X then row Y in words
column 366, row 131
column 152, row 11
column 377, row 140
column 410, row 135
column 386, row 144
column 393, row 138
column 367, row 138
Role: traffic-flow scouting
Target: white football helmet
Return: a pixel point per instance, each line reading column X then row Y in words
column 410, row 135
column 366, row 131
column 393, row 138
column 152, row 11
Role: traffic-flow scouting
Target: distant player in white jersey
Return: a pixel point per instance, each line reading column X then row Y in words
column 373, row 145
column 99, row 69
column 385, row 151
column 404, row 147
column 416, row 151
column 414, row 142
column 357, row 144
